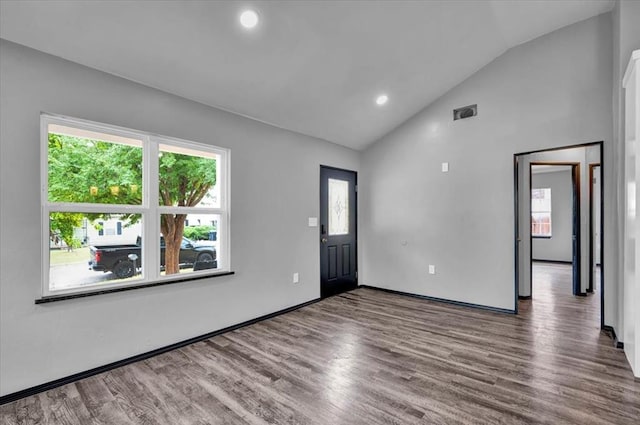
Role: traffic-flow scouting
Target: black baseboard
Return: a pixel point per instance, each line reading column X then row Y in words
column 552, row 261
column 528, row 297
column 100, row 369
column 612, row 333
column 442, row 300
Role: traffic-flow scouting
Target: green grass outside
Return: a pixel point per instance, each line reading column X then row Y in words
column 62, row 256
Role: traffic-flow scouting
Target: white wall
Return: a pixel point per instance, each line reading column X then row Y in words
column 274, row 189
column 626, row 38
column 631, row 289
column 558, row 247
column 550, row 92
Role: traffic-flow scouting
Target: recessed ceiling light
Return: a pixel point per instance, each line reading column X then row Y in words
column 382, row 99
column 249, row 19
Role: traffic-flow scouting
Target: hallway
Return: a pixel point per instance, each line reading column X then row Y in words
column 553, row 300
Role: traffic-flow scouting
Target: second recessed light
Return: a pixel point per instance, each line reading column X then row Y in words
column 249, row 19
column 382, row 99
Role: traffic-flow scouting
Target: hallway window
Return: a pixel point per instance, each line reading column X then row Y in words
column 541, row 213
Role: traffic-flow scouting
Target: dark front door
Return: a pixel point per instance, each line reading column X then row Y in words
column 338, row 227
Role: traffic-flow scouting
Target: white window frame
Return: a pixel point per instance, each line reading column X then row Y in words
column 149, row 208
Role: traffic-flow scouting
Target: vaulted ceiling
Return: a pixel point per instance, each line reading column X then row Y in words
column 315, row 67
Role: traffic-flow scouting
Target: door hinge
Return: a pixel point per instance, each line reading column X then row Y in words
column 356, row 274
column 356, row 188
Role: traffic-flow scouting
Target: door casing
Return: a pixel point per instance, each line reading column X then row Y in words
column 592, row 208
column 576, row 253
column 516, row 165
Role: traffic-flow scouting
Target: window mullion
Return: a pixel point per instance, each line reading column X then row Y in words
column 189, row 210
column 95, row 208
column 45, row 260
column 151, row 238
column 44, row 211
column 225, row 241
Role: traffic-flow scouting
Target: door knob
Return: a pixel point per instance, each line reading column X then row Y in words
column 323, row 240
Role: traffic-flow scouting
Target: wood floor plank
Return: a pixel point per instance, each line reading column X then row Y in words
column 371, row 357
column 94, row 392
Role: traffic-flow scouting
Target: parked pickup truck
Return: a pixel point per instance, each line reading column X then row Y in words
column 115, row 258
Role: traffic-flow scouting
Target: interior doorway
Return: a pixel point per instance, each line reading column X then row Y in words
column 587, row 235
column 555, row 217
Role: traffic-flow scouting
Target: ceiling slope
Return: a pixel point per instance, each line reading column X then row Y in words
column 314, row 67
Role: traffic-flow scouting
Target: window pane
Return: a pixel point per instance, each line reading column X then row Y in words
column 185, row 249
column 541, row 224
column 78, row 238
column 541, row 212
column 188, row 177
column 338, row 207
column 91, row 167
column 541, row 200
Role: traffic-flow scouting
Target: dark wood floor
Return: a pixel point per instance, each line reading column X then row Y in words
column 369, row 357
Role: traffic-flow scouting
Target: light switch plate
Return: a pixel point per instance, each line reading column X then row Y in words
column 296, row 278
column 432, row 269
column 445, row 167
column 313, row 221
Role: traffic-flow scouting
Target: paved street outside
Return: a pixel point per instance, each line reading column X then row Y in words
column 70, row 269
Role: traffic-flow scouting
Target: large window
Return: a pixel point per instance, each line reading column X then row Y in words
column 541, row 213
column 119, row 201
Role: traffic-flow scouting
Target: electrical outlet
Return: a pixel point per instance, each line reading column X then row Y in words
column 432, row 269
column 296, row 278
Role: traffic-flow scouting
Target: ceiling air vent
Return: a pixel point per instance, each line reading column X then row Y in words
column 465, row 112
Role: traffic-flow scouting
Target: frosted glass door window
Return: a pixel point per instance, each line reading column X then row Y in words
column 338, row 207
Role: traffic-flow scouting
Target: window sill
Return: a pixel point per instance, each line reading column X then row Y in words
column 55, row 298
column 541, row 237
